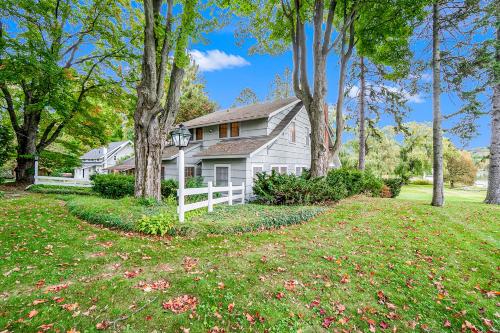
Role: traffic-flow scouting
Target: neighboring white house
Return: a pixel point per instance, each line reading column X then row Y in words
column 98, row 159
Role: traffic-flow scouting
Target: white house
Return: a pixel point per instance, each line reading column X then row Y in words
column 99, row 159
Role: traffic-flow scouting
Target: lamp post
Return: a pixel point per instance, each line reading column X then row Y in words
column 180, row 137
column 36, row 167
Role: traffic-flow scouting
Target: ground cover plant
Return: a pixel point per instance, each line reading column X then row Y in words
column 367, row 264
column 59, row 189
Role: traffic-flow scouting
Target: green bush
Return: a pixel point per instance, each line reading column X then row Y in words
column 158, row 224
column 421, row 182
column 169, row 188
column 2, row 194
column 113, row 186
column 283, row 189
column 59, row 189
column 394, row 185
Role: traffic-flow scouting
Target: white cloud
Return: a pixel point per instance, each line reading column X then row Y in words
column 353, row 92
column 214, row 60
column 416, row 98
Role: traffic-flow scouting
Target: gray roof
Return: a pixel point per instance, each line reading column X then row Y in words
column 99, row 152
column 128, row 164
column 249, row 112
column 245, row 146
column 170, row 152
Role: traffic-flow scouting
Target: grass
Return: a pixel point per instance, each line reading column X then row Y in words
column 367, row 261
column 60, row 189
column 424, row 192
column 124, row 213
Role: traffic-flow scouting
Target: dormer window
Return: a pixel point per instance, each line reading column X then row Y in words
column 223, row 131
column 292, row 130
column 235, row 129
column 199, row 134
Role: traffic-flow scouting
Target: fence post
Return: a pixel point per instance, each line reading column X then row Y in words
column 180, row 192
column 230, row 201
column 210, row 197
column 243, row 192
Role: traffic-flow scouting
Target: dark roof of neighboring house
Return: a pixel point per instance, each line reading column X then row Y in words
column 99, row 152
column 170, row 152
column 128, row 164
column 245, row 146
column 249, row 112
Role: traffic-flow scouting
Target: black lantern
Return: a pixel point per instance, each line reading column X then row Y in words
column 181, row 136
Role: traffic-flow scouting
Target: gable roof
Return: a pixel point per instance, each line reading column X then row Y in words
column 97, row 153
column 171, row 152
column 128, row 164
column 243, row 147
column 249, row 112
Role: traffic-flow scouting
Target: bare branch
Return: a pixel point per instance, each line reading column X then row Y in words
column 165, row 50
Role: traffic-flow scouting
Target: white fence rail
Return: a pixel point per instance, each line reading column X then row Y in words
column 211, row 201
column 61, row 181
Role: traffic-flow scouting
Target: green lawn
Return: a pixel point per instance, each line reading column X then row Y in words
column 365, row 262
column 424, row 192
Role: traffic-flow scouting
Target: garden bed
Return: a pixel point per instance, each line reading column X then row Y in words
column 126, row 212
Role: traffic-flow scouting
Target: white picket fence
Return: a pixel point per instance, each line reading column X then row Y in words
column 62, row 181
column 211, row 201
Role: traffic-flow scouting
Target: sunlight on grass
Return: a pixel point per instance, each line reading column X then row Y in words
column 424, row 192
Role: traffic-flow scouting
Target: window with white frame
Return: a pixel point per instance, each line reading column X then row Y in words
column 257, row 169
column 299, row 169
column 222, row 174
column 283, row 169
column 292, row 132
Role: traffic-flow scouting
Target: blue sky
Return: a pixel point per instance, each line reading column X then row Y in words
column 228, row 68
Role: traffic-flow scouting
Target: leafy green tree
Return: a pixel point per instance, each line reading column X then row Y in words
column 460, row 168
column 60, row 62
column 194, row 100
column 6, row 144
column 282, row 86
column 336, row 25
column 247, row 96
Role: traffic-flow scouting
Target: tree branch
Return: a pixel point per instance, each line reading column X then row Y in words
column 329, row 26
column 10, row 107
column 165, row 51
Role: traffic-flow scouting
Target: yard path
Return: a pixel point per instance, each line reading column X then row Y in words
column 368, row 263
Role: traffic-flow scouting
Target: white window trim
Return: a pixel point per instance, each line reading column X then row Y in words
column 303, row 166
column 257, row 166
column 279, row 166
column 228, row 172
column 190, row 166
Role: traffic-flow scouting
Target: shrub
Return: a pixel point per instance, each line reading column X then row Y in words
column 394, row 185
column 421, row 182
column 2, row 194
column 59, row 189
column 113, row 186
column 159, row 224
column 386, row 192
column 169, row 188
column 352, row 182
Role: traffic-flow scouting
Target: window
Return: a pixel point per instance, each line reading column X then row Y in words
column 189, row 172
column 223, row 131
column 257, row 169
column 235, row 129
column 292, row 132
column 163, row 172
column 299, row 170
column 197, row 170
column 283, row 169
column 199, row 134
column 222, row 175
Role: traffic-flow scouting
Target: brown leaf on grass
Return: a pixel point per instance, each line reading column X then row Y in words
column 263, row 259
column 250, row 318
column 220, row 285
column 383, row 325
column 381, row 297
column 189, row 263
column 123, row 256
column 344, row 320
column 92, row 237
column 487, row 322
column 132, row 274
column 327, row 322
column 102, row 325
column 97, row 254
column 447, row 323
column 40, row 284
column 32, row 313
column 39, row 301
column 56, row 288
column 181, row 304
column 216, row 329
column 58, row 299
column 73, row 330
column 291, row 284
column 345, row 279
column 155, row 285
column 70, row 306
column 339, row 307
column 45, row 327
column 467, row 326
column 107, row 244
column 230, row 307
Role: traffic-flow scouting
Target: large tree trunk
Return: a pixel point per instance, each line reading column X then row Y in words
column 493, row 194
column 319, row 140
column 362, row 121
column 26, row 147
column 437, row 135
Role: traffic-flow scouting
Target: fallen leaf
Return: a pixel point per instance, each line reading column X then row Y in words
column 102, row 325
column 230, row 307
column 45, row 327
column 56, row 288
column 446, row 323
column 280, row 295
column 132, row 274
column 70, row 306
column 32, row 313
column 291, row 284
column 181, row 304
column 327, row 322
column 39, row 301
column 189, row 263
column 250, row 318
column 155, row 285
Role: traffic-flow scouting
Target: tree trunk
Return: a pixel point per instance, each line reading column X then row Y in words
column 437, row 135
column 319, row 143
column 493, row 194
column 362, row 134
column 26, row 147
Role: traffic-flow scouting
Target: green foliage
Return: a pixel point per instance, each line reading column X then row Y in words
column 284, row 189
column 395, row 185
column 2, row 194
column 246, row 97
column 460, row 168
column 113, row 186
column 421, row 182
column 6, row 144
column 59, row 189
column 159, row 225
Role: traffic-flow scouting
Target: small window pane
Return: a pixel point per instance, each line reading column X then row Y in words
column 235, row 129
column 284, row 170
column 221, row 176
column 189, row 172
column 199, row 134
column 298, row 170
column 198, row 170
column 292, row 132
column 223, row 131
column 256, row 170
column 275, row 168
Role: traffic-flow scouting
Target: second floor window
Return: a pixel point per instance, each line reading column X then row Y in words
column 223, row 131
column 199, row 134
column 292, row 132
column 235, row 129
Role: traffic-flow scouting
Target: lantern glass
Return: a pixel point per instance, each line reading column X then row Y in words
column 181, row 136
